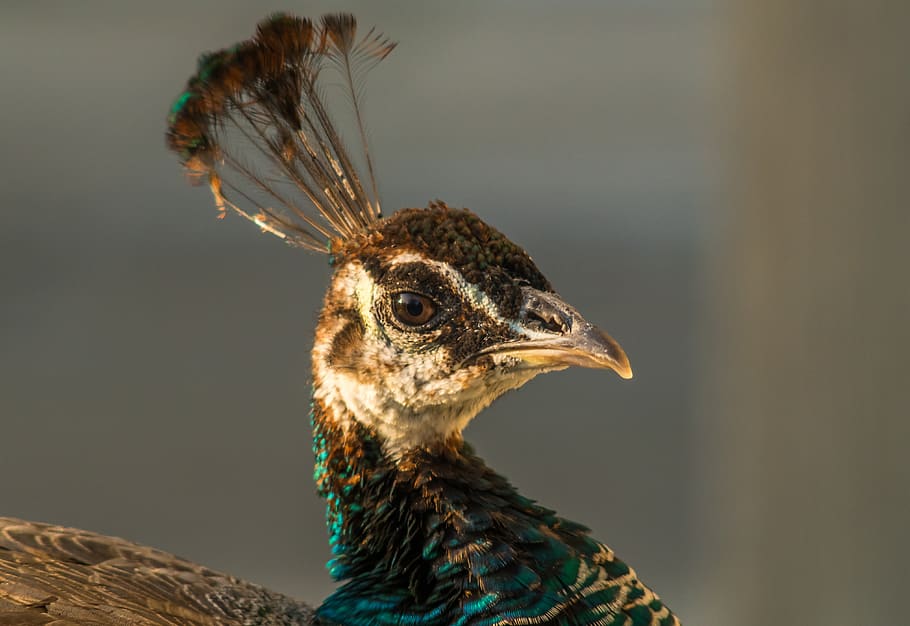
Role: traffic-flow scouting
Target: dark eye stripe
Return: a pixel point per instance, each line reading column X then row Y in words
column 413, row 309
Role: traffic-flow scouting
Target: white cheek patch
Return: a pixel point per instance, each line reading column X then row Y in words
column 363, row 290
column 353, row 286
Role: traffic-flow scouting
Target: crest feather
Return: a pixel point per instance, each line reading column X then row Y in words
column 253, row 123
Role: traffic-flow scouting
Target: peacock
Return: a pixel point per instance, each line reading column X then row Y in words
column 430, row 315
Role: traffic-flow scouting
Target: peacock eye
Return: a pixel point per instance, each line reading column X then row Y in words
column 413, row 309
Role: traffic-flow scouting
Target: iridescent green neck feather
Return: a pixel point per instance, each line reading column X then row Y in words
column 437, row 537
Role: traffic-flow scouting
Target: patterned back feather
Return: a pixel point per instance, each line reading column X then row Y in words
column 263, row 100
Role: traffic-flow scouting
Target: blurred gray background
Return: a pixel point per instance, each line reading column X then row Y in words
column 722, row 186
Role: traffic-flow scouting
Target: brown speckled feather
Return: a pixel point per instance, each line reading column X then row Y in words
column 56, row 575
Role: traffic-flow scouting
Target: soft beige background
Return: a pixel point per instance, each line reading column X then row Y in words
column 664, row 163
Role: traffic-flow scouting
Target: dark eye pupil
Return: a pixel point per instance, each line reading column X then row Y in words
column 414, row 306
column 413, row 309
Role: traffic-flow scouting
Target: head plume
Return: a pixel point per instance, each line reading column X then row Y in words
column 253, row 123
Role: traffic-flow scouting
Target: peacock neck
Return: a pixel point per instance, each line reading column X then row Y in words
column 432, row 533
column 387, row 514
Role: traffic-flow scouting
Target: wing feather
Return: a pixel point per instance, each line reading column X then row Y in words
column 56, row 575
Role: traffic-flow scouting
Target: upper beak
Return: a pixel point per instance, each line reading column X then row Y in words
column 554, row 334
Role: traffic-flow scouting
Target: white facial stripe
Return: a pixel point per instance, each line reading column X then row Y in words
column 475, row 296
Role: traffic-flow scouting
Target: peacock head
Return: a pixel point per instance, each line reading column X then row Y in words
column 431, row 313
column 431, row 316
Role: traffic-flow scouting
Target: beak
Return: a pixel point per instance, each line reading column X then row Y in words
column 554, row 335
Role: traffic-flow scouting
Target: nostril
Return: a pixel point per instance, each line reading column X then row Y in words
column 551, row 323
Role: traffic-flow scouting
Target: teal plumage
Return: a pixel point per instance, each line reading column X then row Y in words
column 437, row 537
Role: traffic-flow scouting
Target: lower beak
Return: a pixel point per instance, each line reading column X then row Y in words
column 566, row 338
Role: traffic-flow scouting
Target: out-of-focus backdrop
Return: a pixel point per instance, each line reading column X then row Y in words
column 722, row 186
